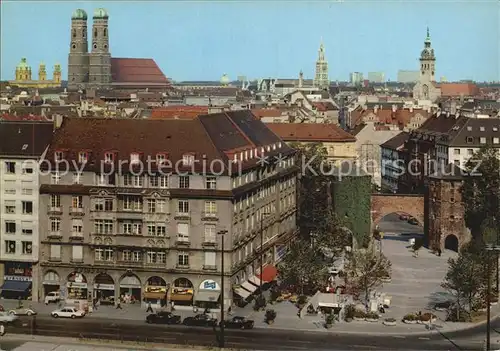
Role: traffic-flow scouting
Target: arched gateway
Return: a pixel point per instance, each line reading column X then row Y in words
column 384, row 204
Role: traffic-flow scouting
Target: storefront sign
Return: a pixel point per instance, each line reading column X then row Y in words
column 77, row 285
column 182, row 291
column 104, row 287
column 209, row 285
column 17, row 278
column 17, row 269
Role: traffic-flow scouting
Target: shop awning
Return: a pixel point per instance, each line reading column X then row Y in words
column 181, row 297
column 15, row 285
column 254, row 280
column 242, row 292
column 269, row 273
column 247, row 286
column 210, row 296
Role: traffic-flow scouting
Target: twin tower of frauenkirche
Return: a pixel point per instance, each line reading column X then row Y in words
column 89, row 69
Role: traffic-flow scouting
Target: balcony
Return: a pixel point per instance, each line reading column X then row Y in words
column 182, row 242
column 54, row 210
column 55, row 234
column 104, row 262
column 209, row 216
column 76, row 236
column 123, row 214
column 209, row 267
column 182, row 215
column 207, row 243
column 79, row 211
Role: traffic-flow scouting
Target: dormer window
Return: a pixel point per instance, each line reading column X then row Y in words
column 268, row 148
column 469, row 140
column 481, row 129
column 495, row 129
column 109, row 157
column 83, row 157
column 469, row 128
column 160, row 158
column 134, row 158
column 187, row 159
column 274, row 146
column 58, row 155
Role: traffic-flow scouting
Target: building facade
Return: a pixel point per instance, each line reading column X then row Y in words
column 392, row 162
column 23, row 143
column 153, row 236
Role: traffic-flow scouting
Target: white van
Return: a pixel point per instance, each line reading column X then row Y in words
column 52, row 297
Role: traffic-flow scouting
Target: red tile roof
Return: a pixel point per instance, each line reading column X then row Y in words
column 8, row 117
column 136, row 70
column 324, row 106
column 266, row 112
column 458, row 89
column 400, row 117
column 314, row 132
column 178, row 112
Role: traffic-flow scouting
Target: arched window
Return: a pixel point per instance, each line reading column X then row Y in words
column 84, row 33
column 105, row 32
column 95, row 32
column 74, row 33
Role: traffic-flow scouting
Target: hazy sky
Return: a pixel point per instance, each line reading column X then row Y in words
column 259, row 39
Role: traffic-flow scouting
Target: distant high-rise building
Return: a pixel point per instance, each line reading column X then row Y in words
column 321, row 77
column 356, row 78
column 405, row 76
column 376, row 77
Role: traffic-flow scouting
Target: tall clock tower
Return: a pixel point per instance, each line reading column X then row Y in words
column 427, row 61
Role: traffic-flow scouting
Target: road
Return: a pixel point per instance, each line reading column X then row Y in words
column 89, row 329
column 392, row 224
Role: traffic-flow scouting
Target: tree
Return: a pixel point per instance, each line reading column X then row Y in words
column 481, row 190
column 365, row 271
column 302, row 267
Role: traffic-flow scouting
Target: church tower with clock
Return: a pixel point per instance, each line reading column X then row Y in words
column 78, row 59
column 100, row 57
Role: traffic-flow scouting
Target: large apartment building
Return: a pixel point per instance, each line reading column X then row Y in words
column 21, row 147
column 138, row 208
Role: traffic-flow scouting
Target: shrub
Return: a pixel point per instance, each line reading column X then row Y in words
column 301, row 300
column 462, row 316
column 260, row 302
column 270, row 315
column 359, row 314
column 427, row 317
column 410, row 317
column 330, row 319
column 350, row 310
column 275, row 294
column 372, row 315
column 390, row 320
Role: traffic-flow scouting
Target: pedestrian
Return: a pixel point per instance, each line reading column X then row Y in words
column 150, row 308
column 119, row 305
column 439, row 252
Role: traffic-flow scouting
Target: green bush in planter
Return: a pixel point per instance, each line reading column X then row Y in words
column 302, row 300
column 359, row 314
column 410, row 317
column 349, row 312
column 372, row 315
column 390, row 320
column 330, row 319
column 270, row 315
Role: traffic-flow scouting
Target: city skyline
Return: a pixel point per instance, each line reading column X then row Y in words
column 204, row 49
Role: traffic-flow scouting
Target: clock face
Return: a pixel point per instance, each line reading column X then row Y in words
column 94, row 46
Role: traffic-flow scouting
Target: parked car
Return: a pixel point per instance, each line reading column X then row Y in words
column 68, row 312
column 413, row 221
column 22, row 312
column 239, row 323
column 6, row 318
column 52, row 297
column 163, row 318
column 200, row 320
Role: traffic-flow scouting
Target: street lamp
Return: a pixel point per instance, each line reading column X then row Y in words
column 262, row 216
column 489, row 248
column 221, row 339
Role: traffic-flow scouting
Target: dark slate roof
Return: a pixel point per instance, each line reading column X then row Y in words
column 442, row 123
column 222, row 131
column 396, row 142
column 475, row 128
column 449, row 172
column 25, row 139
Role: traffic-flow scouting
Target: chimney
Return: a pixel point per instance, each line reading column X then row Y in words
column 375, row 109
column 411, row 109
column 394, row 108
column 58, row 120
